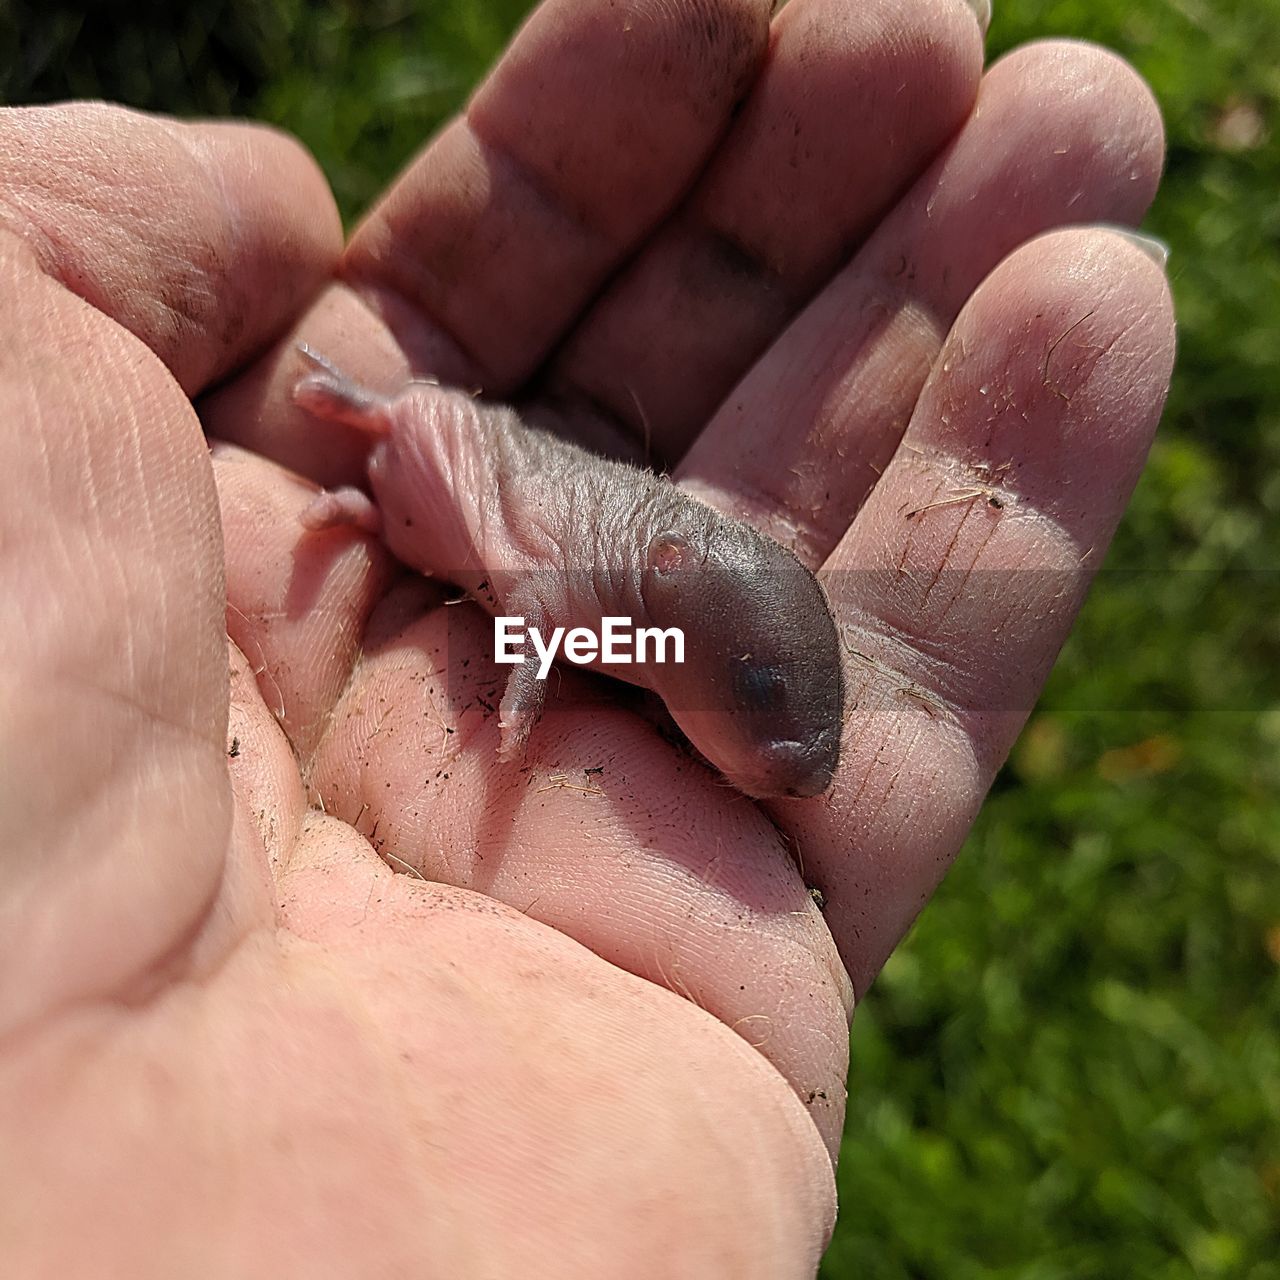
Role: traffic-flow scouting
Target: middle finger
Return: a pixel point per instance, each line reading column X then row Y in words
column 851, row 105
column 1063, row 133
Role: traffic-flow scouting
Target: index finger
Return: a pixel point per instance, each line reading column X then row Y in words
column 590, row 128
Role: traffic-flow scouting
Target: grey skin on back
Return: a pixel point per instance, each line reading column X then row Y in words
column 534, row 526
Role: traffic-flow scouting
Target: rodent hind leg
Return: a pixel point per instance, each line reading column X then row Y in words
column 331, row 508
column 335, row 396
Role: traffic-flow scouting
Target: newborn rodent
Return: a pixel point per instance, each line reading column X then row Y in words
column 534, row 526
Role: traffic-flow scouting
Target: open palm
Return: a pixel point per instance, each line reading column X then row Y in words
column 319, row 987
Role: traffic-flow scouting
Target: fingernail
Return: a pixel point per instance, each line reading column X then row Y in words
column 1154, row 248
column 981, row 11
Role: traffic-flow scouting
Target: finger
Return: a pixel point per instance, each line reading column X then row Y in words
column 114, row 804
column 169, row 228
column 1063, row 133
column 604, row 832
column 853, row 103
column 586, row 133
column 298, row 601
column 961, row 576
column 270, row 805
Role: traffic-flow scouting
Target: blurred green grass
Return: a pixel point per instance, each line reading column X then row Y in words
column 1072, row 1067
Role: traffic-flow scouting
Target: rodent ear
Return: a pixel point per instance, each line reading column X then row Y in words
column 669, row 553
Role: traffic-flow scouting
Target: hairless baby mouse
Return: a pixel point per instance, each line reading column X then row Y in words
column 534, row 526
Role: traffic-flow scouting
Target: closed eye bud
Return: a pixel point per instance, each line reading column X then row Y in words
column 669, row 553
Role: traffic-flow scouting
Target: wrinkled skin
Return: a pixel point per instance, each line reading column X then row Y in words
column 584, row 1019
column 535, row 527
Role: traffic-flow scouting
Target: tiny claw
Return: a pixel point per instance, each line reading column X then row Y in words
column 513, row 742
column 321, row 362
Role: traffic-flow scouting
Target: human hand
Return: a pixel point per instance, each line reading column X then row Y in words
column 460, row 1076
column 621, row 295
column 234, row 1041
